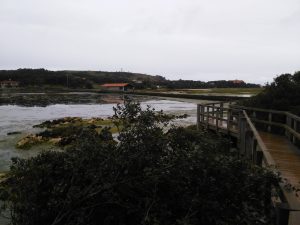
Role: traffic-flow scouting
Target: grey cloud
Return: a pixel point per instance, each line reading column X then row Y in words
column 189, row 39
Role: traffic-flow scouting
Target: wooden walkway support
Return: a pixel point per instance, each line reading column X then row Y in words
column 266, row 137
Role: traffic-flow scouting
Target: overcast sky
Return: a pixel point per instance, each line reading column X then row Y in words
column 253, row 40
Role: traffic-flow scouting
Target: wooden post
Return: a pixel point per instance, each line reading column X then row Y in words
column 286, row 133
column 247, row 144
column 202, row 113
column 282, row 214
column 222, row 107
column 289, row 124
column 217, row 119
column 259, row 158
column 213, row 109
column 254, row 152
column 242, row 134
column 198, row 117
column 270, row 120
column 295, row 129
column 229, row 115
column 207, row 116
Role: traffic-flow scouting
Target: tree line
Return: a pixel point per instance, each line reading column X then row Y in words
column 88, row 79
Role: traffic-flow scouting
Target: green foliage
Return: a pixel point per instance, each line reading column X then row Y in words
column 153, row 174
column 282, row 94
column 178, row 84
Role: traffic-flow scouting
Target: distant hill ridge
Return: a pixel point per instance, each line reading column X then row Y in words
column 89, row 79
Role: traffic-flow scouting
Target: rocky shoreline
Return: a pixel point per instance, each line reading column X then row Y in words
column 64, row 131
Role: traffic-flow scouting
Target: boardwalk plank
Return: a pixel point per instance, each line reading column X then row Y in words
column 285, row 154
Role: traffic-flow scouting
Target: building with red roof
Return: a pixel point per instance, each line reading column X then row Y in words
column 117, row 86
column 237, row 81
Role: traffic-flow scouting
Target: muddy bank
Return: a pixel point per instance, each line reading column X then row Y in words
column 45, row 99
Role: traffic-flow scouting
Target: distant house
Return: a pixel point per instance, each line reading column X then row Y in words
column 117, row 87
column 9, row 83
column 237, row 81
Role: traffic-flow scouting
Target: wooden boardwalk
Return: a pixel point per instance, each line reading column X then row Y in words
column 263, row 147
column 285, row 154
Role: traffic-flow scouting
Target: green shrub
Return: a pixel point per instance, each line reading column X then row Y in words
column 282, row 94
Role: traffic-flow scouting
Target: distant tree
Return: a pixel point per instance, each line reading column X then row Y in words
column 282, row 94
column 81, row 79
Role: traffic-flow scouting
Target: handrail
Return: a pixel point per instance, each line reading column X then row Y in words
column 291, row 125
column 267, row 110
column 216, row 112
column 269, row 159
column 292, row 116
column 256, row 109
column 288, row 195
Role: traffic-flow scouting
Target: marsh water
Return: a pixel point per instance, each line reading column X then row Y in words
column 20, row 118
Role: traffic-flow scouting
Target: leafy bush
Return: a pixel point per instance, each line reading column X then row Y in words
column 151, row 175
column 282, row 94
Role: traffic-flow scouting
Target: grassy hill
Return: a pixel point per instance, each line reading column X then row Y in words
column 75, row 79
column 90, row 79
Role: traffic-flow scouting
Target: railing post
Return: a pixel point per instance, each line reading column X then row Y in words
column 254, row 151
column 270, row 120
column 259, row 158
column 289, row 124
column 248, row 144
column 242, row 132
column 282, row 214
column 221, row 107
column 229, row 115
column 202, row 113
column 217, row 119
column 295, row 129
column 198, row 117
column 254, row 115
column 207, row 116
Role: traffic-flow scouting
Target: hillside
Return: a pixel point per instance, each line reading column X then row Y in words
column 74, row 79
column 90, row 79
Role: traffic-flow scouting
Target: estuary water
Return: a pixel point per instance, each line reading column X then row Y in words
column 15, row 118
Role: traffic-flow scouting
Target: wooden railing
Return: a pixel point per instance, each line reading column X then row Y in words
column 288, row 123
column 235, row 121
column 218, row 117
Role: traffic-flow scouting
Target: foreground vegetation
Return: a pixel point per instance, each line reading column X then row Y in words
column 282, row 94
column 152, row 174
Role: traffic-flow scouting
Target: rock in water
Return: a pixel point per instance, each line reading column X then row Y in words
column 29, row 141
